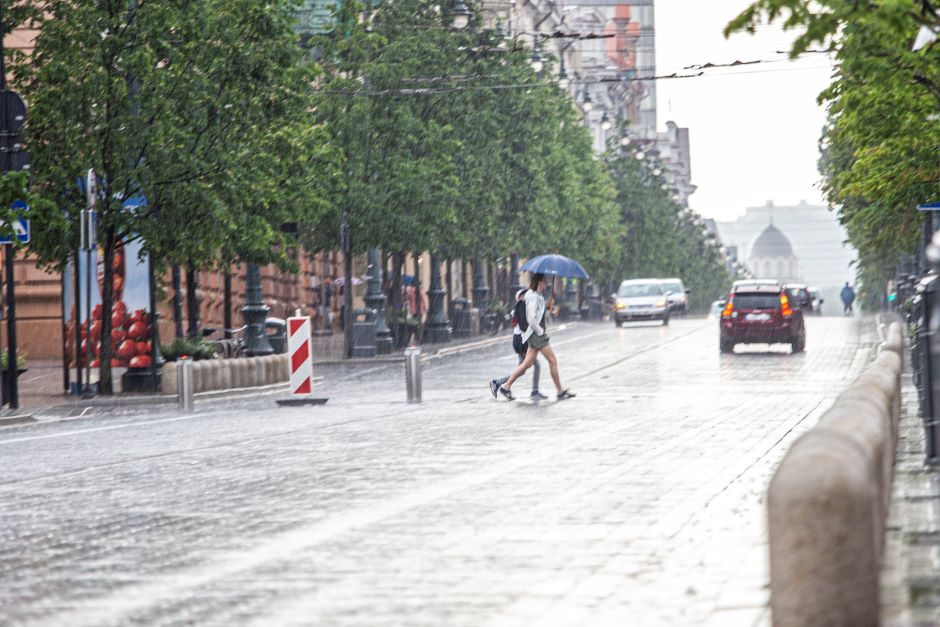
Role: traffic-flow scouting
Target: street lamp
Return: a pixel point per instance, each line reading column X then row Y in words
column 461, row 15
column 605, row 122
column 563, row 81
column 587, row 104
column 537, row 62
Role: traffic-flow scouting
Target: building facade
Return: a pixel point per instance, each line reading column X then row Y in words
column 772, row 257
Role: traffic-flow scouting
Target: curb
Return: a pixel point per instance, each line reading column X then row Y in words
column 9, row 421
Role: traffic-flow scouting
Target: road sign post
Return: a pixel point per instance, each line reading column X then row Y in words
column 88, row 242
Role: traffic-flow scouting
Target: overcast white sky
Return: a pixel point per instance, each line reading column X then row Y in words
column 753, row 129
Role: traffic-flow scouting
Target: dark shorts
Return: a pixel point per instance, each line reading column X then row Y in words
column 538, row 342
column 518, row 345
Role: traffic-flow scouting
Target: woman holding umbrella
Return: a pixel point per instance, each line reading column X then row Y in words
column 537, row 339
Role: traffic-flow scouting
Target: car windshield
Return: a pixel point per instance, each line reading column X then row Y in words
column 631, row 290
column 756, row 301
column 675, row 288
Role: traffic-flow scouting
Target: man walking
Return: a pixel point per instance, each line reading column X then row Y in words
column 848, row 297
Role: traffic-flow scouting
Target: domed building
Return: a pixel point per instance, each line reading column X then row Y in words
column 772, row 257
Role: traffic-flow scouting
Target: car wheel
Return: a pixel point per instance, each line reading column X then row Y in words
column 726, row 346
column 799, row 344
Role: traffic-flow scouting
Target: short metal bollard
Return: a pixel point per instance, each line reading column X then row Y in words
column 184, row 384
column 413, row 373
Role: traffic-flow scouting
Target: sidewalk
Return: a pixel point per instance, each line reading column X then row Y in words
column 910, row 590
column 41, row 388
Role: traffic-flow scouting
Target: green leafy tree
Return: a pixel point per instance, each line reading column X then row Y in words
column 451, row 142
column 200, row 107
column 879, row 147
column 660, row 238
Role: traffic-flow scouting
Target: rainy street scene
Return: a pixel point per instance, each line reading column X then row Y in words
column 474, row 313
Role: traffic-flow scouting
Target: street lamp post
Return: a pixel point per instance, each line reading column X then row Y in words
column 438, row 329
column 480, row 291
column 375, row 299
column 514, row 286
column 255, row 312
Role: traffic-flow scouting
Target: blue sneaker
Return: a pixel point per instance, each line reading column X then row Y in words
column 537, row 396
column 494, row 388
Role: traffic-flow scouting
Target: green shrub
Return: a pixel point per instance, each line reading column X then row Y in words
column 194, row 348
column 4, row 359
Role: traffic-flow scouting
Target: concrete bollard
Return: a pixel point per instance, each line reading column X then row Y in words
column 272, row 364
column 215, row 370
column 168, row 378
column 822, row 505
column 894, row 338
column 860, row 421
column 225, row 374
column 283, row 368
column 236, row 367
column 413, row 373
column 184, row 385
column 828, row 503
column 259, row 371
column 200, row 376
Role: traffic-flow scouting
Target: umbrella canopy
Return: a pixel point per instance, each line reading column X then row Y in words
column 559, row 265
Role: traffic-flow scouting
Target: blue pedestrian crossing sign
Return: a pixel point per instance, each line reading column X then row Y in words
column 20, row 225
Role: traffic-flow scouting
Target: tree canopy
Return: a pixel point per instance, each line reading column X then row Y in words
column 879, row 148
column 201, row 108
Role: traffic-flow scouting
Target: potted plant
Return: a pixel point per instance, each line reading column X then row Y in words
column 4, row 361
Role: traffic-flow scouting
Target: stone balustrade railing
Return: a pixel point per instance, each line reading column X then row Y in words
column 229, row 374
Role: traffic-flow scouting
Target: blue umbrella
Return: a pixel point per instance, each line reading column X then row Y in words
column 559, row 265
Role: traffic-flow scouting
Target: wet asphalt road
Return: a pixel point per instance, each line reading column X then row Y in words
column 637, row 503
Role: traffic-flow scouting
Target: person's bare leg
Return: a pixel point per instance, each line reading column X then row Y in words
column 549, row 355
column 520, row 370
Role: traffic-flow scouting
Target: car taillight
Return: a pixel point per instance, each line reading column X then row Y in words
column 785, row 306
column 729, row 308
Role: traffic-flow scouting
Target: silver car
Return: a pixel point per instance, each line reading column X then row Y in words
column 678, row 295
column 641, row 299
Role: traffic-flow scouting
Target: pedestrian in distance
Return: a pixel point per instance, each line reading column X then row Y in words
column 520, row 326
column 848, row 297
column 537, row 339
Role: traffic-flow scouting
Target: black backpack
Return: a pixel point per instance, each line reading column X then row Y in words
column 521, row 316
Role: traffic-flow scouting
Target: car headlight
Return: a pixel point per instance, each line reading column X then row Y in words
column 661, row 303
column 621, row 306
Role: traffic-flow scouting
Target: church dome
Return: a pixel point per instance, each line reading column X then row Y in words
column 771, row 243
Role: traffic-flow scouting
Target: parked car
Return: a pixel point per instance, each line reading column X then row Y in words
column 761, row 312
column 641, row 299
column 817, row 301
column 800, row 296
column 678, row 297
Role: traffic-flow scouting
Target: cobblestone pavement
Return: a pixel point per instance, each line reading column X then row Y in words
column 637, row 503
column 911, row 574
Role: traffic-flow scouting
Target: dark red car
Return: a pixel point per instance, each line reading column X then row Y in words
column 761, row 312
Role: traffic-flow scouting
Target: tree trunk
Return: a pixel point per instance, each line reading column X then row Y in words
column 491, row 280
column 192, row 303
column 464, row 279
column 105, row 382
column 449, row 287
